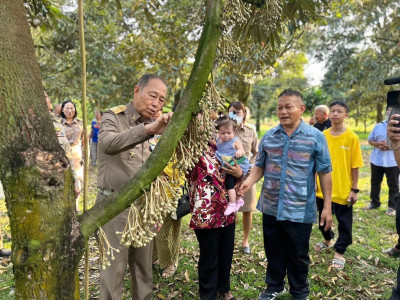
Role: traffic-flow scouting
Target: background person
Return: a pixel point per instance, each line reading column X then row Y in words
column 289, row 155
column 321, row 114
column 248, row 137
column 382, row 163
column 123, row 148
column 344, row 148
column 94, row 137
column 168, row 239
column 73, row 128
column 63, row 141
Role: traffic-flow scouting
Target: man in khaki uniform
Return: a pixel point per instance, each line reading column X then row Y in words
column 122, row 149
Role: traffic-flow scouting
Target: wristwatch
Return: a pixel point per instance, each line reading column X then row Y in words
column 355, row 190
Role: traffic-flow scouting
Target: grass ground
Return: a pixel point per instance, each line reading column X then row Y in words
column 368, row 273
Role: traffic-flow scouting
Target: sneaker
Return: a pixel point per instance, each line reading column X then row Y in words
column 391, row 212
column 302, row 298
column 269, row 295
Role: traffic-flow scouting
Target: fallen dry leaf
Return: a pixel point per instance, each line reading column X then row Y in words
column 187, row 276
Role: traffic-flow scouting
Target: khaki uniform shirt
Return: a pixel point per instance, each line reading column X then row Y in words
column 123, row 146
column 73, row 131
column 63, row 141
column 248, row 137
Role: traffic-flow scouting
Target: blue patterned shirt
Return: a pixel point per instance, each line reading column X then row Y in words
column 290, row 163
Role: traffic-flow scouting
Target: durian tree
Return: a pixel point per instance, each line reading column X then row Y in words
column 47, row 235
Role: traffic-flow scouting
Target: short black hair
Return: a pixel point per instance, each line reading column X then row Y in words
column 291, row 92
column 62, row 115
column 144, row 80
column 341, row 103
column 224, row 121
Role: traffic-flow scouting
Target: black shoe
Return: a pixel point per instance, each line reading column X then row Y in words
column 5, row 253
column 268, row 295
column 246, row 250
column 372, row 206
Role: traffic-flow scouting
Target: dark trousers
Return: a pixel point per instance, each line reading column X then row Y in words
column 344, row 216
column 396, row 289
column 392, row 179
column 214, row 266
column 286, row 246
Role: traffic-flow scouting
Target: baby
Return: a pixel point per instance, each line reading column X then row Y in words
column 229, row 146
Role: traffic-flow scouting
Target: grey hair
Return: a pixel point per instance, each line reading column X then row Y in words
column 322, row 108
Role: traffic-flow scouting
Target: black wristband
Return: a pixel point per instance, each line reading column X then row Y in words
column 355, row 190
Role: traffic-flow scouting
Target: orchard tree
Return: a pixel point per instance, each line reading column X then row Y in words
column 360, row 44
column 47, row 235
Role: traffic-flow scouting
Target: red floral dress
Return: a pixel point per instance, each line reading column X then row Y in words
column 207, row 193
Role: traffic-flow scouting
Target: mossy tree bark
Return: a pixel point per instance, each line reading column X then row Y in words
column 36, row 175
column 38, row 183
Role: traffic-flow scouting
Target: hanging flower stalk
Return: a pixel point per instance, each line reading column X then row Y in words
column 103, row 245
column 199, row 131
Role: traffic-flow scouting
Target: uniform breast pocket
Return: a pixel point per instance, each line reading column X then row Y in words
column 246, row 142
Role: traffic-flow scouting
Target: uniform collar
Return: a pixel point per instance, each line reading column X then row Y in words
column 134, row 116
column 241, row 127
column 64, row 121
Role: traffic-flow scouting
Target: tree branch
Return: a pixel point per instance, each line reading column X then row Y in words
column 102, row 212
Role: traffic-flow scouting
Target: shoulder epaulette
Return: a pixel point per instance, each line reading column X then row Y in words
column 249, row 126
column 118, row 109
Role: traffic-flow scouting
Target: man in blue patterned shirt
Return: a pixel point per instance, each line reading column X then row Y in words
column 289, row 156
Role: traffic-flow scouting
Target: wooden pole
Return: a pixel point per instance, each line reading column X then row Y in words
column 85, row 137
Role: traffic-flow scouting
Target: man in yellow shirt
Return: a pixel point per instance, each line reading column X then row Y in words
column 344, row 148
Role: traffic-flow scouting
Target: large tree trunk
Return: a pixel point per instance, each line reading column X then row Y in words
column 47, row 238
column 36, row 175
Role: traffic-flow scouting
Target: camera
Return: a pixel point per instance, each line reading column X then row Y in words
column 393, row 99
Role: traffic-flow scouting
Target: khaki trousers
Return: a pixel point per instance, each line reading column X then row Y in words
column 138, row 259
